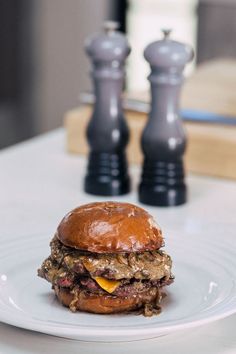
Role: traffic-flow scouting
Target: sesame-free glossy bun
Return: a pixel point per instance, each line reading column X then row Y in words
column 110, row 227
column 104, row 304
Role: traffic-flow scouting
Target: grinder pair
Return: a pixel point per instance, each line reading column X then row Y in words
column 163, row 139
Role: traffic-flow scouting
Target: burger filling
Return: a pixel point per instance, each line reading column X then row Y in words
column 120, row 275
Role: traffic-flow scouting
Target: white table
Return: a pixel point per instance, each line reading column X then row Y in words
column 40, row 182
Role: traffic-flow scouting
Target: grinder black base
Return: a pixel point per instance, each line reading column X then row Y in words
column 107, row 174
column 162, row 183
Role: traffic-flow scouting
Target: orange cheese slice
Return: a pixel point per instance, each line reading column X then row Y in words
column 107, row 285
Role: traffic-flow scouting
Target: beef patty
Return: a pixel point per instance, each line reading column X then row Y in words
column 120, row 275
column 152, row 265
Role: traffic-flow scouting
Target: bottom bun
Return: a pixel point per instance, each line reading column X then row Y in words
column 104, row 304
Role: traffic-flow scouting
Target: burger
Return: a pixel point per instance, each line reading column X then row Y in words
column 106, row 258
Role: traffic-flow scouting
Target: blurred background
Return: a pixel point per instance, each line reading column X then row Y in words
column 43, row 67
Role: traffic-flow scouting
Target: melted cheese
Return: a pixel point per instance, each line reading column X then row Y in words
column 107, row 285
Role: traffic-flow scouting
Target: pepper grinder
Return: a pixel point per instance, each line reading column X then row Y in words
column 107, row 131
column 163, row 140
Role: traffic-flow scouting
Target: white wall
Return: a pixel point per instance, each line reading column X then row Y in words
column 145, row 21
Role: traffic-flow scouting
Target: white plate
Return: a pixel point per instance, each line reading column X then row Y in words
column 204, row 291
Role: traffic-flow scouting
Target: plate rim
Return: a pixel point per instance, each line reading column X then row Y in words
column 97, row 334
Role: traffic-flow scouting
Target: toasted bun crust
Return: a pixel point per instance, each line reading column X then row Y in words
column 110, row 227
column 103, row 304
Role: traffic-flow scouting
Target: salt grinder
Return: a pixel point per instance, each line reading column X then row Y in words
column 107, row 131
column 163, row 139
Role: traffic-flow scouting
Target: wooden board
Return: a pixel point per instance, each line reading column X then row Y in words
column 211, row 148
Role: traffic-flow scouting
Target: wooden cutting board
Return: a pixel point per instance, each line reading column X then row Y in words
column 211, row 147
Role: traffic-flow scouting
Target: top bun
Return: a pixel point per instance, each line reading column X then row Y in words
column 110, row 227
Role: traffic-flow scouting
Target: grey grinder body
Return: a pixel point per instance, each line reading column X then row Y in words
column 107, row 131
column 163, row 139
